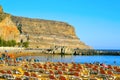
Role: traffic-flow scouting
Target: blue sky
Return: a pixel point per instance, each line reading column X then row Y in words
column 96, row 22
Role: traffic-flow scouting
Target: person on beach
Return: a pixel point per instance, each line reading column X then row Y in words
column 114, row 62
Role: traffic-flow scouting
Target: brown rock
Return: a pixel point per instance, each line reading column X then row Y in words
column 40, row 33
column 47, row 33
column 8, row 31
column 1, row 9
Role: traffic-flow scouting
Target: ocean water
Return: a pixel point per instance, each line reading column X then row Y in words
column 109, row 60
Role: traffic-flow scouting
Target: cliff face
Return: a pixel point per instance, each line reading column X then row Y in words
column 1, row 9
column 46, row 33
column 8, row 30
column 40, row 33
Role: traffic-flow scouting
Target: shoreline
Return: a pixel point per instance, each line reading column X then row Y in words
column 65, row 52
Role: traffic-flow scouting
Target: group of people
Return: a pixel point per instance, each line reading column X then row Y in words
column 6, row 56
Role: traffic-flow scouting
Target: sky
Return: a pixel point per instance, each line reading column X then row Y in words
column 96, row 22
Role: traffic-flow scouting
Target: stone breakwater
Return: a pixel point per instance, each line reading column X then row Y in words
column 40, row 51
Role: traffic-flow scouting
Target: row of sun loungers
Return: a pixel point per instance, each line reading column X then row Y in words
column 32, row 70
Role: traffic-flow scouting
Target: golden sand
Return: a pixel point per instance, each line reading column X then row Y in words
column 57, row 70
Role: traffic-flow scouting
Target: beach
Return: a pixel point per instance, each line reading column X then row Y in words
column 15, row 68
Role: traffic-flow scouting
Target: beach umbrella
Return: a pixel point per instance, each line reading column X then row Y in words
column 34, row 76
column 51, row 72
column 2, row 71
column 18, row 78
column 62, row 78
column 60, row 72
column 52, row 76
column 104, row 65
column 26, row 74
column 11, row 55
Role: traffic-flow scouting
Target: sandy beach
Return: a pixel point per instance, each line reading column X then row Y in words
column 12, row 69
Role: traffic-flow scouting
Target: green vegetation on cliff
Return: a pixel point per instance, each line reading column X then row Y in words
column 12, row 43
column 23, row 44
column 9, row 43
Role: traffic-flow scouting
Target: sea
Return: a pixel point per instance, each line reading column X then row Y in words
column 106, row 59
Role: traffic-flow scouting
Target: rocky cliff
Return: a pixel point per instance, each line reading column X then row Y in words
column 8, row 30
column 47, row 33
column 40, row 33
